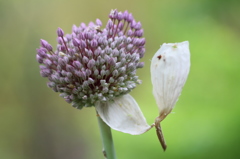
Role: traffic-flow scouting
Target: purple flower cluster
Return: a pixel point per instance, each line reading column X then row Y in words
column 94, row 64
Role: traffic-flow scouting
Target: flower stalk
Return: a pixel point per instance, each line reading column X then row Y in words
column 160, row 133
column 106, row 135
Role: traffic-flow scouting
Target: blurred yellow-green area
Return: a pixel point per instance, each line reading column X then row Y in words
column 35, row 123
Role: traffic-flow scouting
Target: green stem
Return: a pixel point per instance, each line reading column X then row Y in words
column 108, row 151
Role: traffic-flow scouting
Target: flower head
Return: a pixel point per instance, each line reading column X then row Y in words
column 97, row 67
column 93, row 64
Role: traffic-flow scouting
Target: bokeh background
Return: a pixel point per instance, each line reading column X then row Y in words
column 35, row 123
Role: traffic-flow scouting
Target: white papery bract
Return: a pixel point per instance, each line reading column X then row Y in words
column 123, row 114
column 169, row 70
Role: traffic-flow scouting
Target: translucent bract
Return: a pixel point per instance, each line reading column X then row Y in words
column 169, row 70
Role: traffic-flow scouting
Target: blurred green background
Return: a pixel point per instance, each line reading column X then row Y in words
column 35, row 123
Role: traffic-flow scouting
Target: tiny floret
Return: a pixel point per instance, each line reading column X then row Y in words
column 60, row 32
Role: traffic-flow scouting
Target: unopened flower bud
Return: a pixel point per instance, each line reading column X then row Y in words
column 98, row 22
column 46, row 45
column 60, row 32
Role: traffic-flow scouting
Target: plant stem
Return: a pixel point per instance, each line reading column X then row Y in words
column 108, row 146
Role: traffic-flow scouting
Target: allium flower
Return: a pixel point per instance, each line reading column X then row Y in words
column 97, row 67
